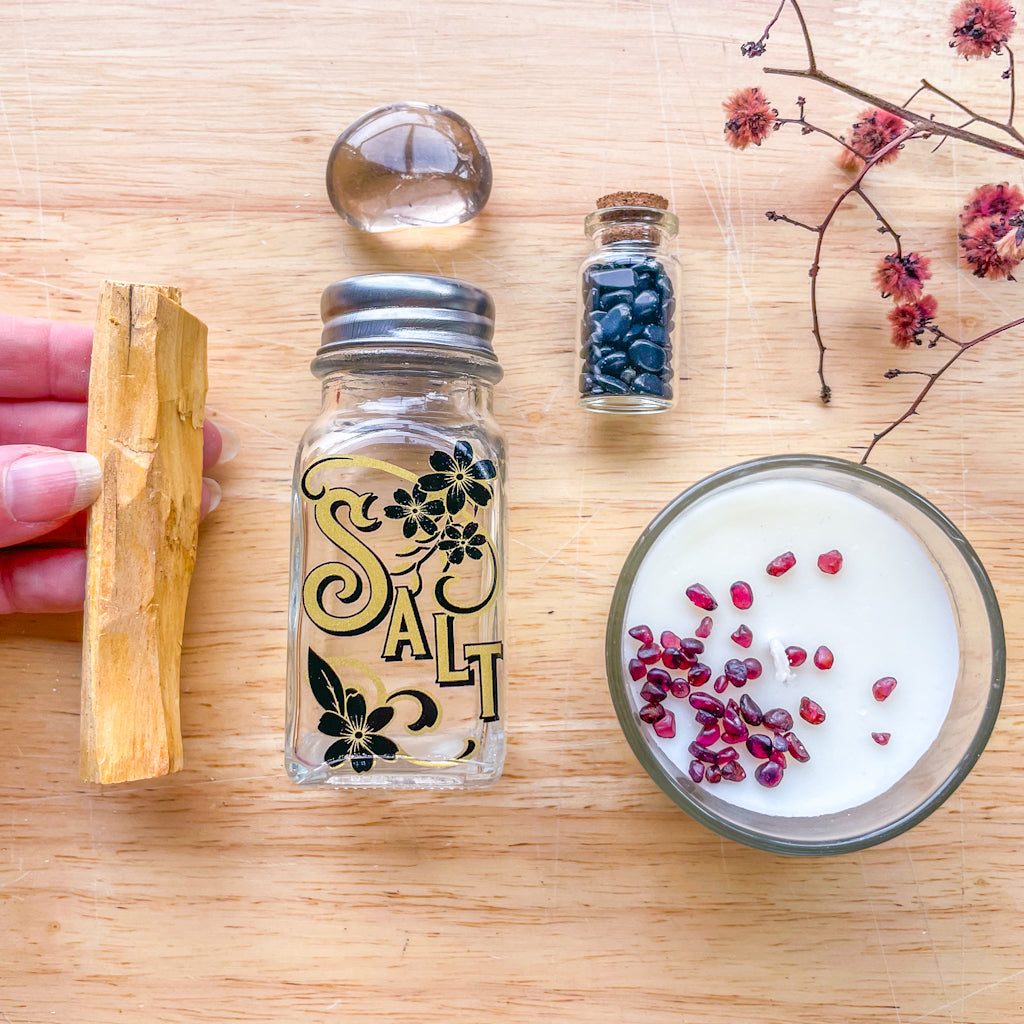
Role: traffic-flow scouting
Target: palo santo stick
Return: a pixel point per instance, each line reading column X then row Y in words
column 147, row 393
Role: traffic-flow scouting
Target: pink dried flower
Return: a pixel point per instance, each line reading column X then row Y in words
column 992, row 202
column 989, row 217
column 902, row 277
column 750, row 118
column 980, row 27
column 911, row 320
column 981, row 252
column 874, row 130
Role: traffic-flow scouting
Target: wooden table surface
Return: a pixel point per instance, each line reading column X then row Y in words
column 185, row 144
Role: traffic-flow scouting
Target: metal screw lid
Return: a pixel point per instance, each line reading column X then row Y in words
column 412, row 315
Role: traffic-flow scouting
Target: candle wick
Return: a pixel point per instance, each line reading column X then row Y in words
column 780, row 659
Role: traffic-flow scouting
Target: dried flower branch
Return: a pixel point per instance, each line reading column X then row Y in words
column 920, row 121
column 991, row 224
column 962, row 347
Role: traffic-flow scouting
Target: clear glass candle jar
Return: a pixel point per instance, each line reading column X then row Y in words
column 823, row 551
column 627, row 318
column 396, row 610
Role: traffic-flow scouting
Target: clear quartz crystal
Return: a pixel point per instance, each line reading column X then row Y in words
column 408, row 165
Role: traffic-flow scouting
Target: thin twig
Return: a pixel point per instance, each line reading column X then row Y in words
column 772, row 215
column 918, row 120
column 807, row 128
column 913, row 96
column 807, row 35
column 756, row 48
column 880, row 218
column 1004, row 126
column 1013, row 87
column 820, row 231
column 962, row 348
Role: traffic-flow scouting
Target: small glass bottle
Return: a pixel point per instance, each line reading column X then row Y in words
column 397, row 605
column 627, row 306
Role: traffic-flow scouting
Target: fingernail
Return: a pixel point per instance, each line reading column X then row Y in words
column 231, row 443
column 46, row 487
column 213, row 493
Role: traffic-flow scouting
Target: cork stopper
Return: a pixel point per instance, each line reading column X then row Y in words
column 630, row 224
column 651, row 199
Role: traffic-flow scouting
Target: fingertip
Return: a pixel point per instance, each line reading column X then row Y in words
column 231, row 443
column 212, row 495
column 48, row 485
column 220, row 444
column 42, row 580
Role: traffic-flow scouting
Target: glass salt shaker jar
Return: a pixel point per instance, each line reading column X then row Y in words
column 396, row 609
column 627, row 306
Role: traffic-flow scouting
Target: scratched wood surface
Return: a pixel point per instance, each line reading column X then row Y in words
column 184, row 144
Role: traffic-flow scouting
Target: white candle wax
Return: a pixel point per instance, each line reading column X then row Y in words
column 886, row 613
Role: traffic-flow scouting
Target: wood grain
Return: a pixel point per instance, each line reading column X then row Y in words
column 147, row 395
column 574, row 889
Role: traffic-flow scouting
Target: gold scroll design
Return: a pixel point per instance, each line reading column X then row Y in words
column 364, row 577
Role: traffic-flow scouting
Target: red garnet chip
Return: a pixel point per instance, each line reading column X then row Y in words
column 742, row 636
column 643, row 634
column 742, row 595
column 666, row 725
column 637, row 669
column 651, row 713
column 796, row 656
column 751, row 713
column 674, row 658
column 649, row 653
column 731, row 720
column 811, row 711
column 883, row 687
column 881, row 738
column 699, row 674
column 692, row 648
column 660, row 678
column 735, row 671
column 768, row 773
column 778, row 720
column 796, row 748
column 781, row 564
column 760, row 745
column 701, row 597
column 824, row 658
column 705, row 702
column 652, row 693
column 830, row 562
column 708, row 736
column 703, row 629
column 679, row 687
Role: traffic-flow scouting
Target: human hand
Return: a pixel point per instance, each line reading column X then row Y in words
column 46, row 478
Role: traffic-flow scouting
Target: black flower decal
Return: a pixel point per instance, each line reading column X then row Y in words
column 418, row 511
column 359, row 733
column 462, row 542
column 459, row 477
column 345, row 717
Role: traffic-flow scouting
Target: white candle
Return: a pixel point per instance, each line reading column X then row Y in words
column 885, row 613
